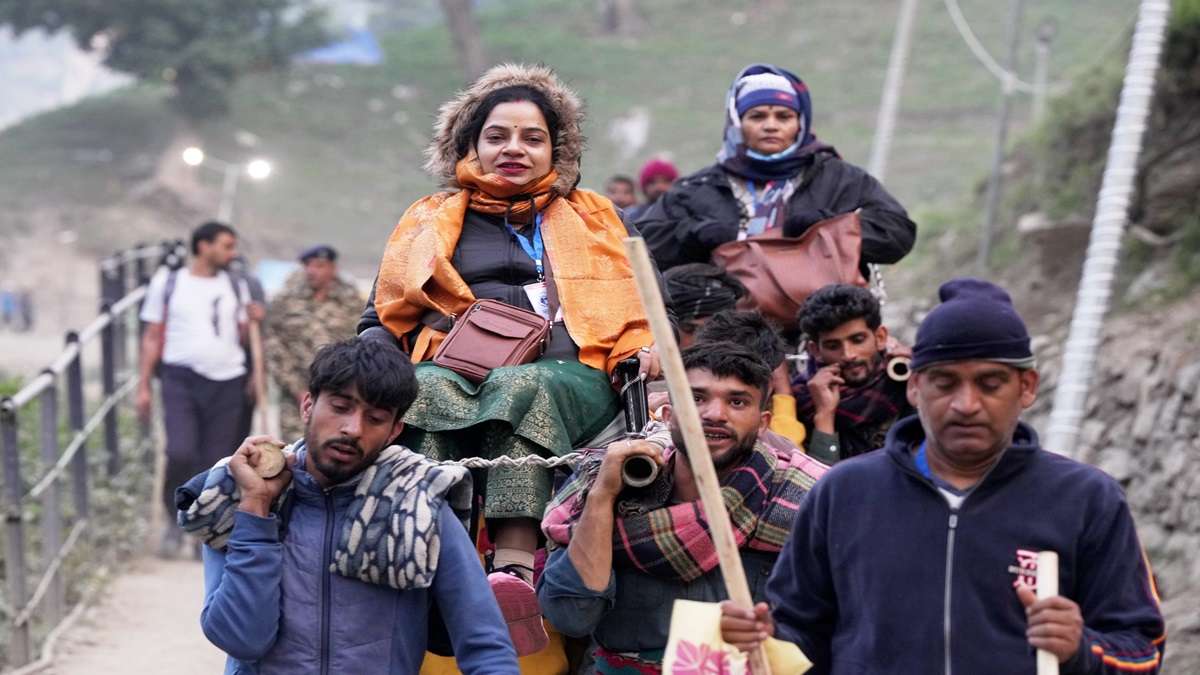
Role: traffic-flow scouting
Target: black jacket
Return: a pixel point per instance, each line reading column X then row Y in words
column 496, row 268
column 700, row 212
column 882, row 575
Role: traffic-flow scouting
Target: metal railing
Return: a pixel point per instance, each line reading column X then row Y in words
column 35, row 506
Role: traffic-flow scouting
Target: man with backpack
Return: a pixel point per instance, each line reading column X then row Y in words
column 195, row 320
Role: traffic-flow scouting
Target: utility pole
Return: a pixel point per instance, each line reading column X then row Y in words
column 1041, row 71
column 893, row 84
column 994, row 181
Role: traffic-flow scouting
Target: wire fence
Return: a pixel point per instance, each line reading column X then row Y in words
column 75, row 463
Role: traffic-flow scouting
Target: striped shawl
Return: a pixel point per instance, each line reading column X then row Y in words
column 389, row 534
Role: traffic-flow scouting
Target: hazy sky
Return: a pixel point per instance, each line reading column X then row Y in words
column 41, row 72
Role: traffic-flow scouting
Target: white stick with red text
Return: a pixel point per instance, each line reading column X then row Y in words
column 1047, row 587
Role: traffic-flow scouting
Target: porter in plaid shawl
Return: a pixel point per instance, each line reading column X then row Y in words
column 864, row 413
column 672, row 540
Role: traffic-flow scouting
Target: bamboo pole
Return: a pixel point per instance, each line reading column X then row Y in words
column 683, row 408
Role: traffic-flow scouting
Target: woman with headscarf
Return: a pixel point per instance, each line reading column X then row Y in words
column 510, row 223
column 771, row 172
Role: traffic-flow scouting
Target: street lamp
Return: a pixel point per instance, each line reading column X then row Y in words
column 257, row 169
column 193, row 156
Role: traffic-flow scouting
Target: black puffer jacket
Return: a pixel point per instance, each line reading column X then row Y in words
column 700, row 212
column 495, row 268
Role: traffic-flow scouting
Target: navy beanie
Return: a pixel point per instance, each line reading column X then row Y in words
column 976, row 321
column 319, row 252
column 766, row 89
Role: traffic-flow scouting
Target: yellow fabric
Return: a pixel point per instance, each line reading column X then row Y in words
column 784, row 420
column 550, row 661
column 583, row 236
column 695, row 645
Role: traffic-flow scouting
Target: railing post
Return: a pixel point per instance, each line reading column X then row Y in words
column 75, row 415
column 108, row 279
column 51, row 503
column 108, row 378
column 140, row 275
column 120, row 325
column 14, row 536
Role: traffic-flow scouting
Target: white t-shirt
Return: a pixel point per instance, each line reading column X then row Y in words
column 202, row 326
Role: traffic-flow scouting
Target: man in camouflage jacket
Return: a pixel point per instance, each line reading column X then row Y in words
column 316, row 307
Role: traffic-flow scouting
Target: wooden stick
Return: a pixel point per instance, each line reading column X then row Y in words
column 1047, row 587
column 259, row 375
column 683, row 409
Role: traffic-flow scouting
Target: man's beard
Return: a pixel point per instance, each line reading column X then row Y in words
column 873, row 366
column 732, row 457
column 335, row 472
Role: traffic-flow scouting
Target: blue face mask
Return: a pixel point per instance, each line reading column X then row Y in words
column 782, row 154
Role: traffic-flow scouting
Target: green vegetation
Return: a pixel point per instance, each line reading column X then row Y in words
column 347, row 141
column 119, row 522
column 1061, row 163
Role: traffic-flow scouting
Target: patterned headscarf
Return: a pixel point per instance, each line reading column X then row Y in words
column 738, row 159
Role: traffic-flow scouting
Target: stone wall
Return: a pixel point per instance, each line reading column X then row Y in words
column 1143, row 428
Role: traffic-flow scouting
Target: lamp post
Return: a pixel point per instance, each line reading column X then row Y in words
column 256, row 169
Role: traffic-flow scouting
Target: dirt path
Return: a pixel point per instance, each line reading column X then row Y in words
column 148, row 622
column 25, row 354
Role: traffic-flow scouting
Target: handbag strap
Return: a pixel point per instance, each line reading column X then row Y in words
column 441, row 322
column 551, row 289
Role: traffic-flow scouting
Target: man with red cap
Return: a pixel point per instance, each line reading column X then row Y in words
column 656, row 177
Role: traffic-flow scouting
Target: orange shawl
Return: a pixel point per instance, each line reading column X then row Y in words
column 583, row 236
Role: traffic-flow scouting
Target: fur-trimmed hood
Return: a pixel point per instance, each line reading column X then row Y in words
column 442, row 154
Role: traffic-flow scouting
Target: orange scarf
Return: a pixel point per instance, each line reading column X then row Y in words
column 494, row 195
column 583, row 237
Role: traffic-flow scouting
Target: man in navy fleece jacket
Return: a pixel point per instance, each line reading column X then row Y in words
column 921, row 557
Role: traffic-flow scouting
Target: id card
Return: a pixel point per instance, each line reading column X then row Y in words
column 754, row 227
column 540, row 300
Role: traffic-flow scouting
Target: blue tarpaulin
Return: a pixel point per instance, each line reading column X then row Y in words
column 360, row 48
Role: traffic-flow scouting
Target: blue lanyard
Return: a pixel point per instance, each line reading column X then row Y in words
column 536, row 251
column 754, row 191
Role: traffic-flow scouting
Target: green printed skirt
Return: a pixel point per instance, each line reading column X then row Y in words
column 546, row 408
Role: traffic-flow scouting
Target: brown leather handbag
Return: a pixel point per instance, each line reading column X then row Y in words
column 491, row 334
column 781, row 272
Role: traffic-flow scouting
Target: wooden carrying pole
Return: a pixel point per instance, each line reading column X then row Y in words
column 1047, row 587
column 259, row 375
column 683, row 409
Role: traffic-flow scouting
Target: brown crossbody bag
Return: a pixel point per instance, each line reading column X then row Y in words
column 492, row 334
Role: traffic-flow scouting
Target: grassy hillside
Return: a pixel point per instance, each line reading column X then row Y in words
column 347, row 141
